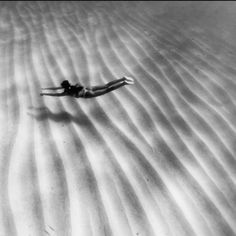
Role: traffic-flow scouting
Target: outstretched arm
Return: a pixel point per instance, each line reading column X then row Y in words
column 53, row 94
column 53, row 88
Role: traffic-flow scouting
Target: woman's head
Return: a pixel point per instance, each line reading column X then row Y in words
column 65, row 84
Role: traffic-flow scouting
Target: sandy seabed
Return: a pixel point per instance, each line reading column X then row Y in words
column 156, row 158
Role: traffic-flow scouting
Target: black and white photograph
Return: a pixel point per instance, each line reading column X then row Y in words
column 117, row 118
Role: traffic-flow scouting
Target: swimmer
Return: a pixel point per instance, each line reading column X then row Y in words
column 79, row 91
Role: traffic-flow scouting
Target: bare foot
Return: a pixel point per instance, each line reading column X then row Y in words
column 129, row 80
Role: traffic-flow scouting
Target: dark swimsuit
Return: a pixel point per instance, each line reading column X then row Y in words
column 76, row 91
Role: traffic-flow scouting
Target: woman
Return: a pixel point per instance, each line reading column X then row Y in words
column 79, row 91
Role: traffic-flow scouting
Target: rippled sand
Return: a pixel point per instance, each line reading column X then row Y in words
column 155, row 158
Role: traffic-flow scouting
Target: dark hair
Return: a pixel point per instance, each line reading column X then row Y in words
column 65, row 84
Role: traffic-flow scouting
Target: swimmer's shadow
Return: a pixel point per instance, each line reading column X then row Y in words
column 43, row 113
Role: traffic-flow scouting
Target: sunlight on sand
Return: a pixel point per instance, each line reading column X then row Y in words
column 153, row 158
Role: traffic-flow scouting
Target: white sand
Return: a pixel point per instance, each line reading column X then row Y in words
column 153, row 158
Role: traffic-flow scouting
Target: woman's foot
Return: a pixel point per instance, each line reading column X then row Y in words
column 129, row 80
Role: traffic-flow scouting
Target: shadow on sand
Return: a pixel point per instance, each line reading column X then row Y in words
column 44, row 113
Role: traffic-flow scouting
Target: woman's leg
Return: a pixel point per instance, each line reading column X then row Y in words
column 114, row 82
column 98, row 92
column 108, row 84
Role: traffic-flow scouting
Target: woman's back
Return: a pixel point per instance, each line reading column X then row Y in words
column 74, row 90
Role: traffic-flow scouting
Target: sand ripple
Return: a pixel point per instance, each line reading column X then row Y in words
column 156, row 158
